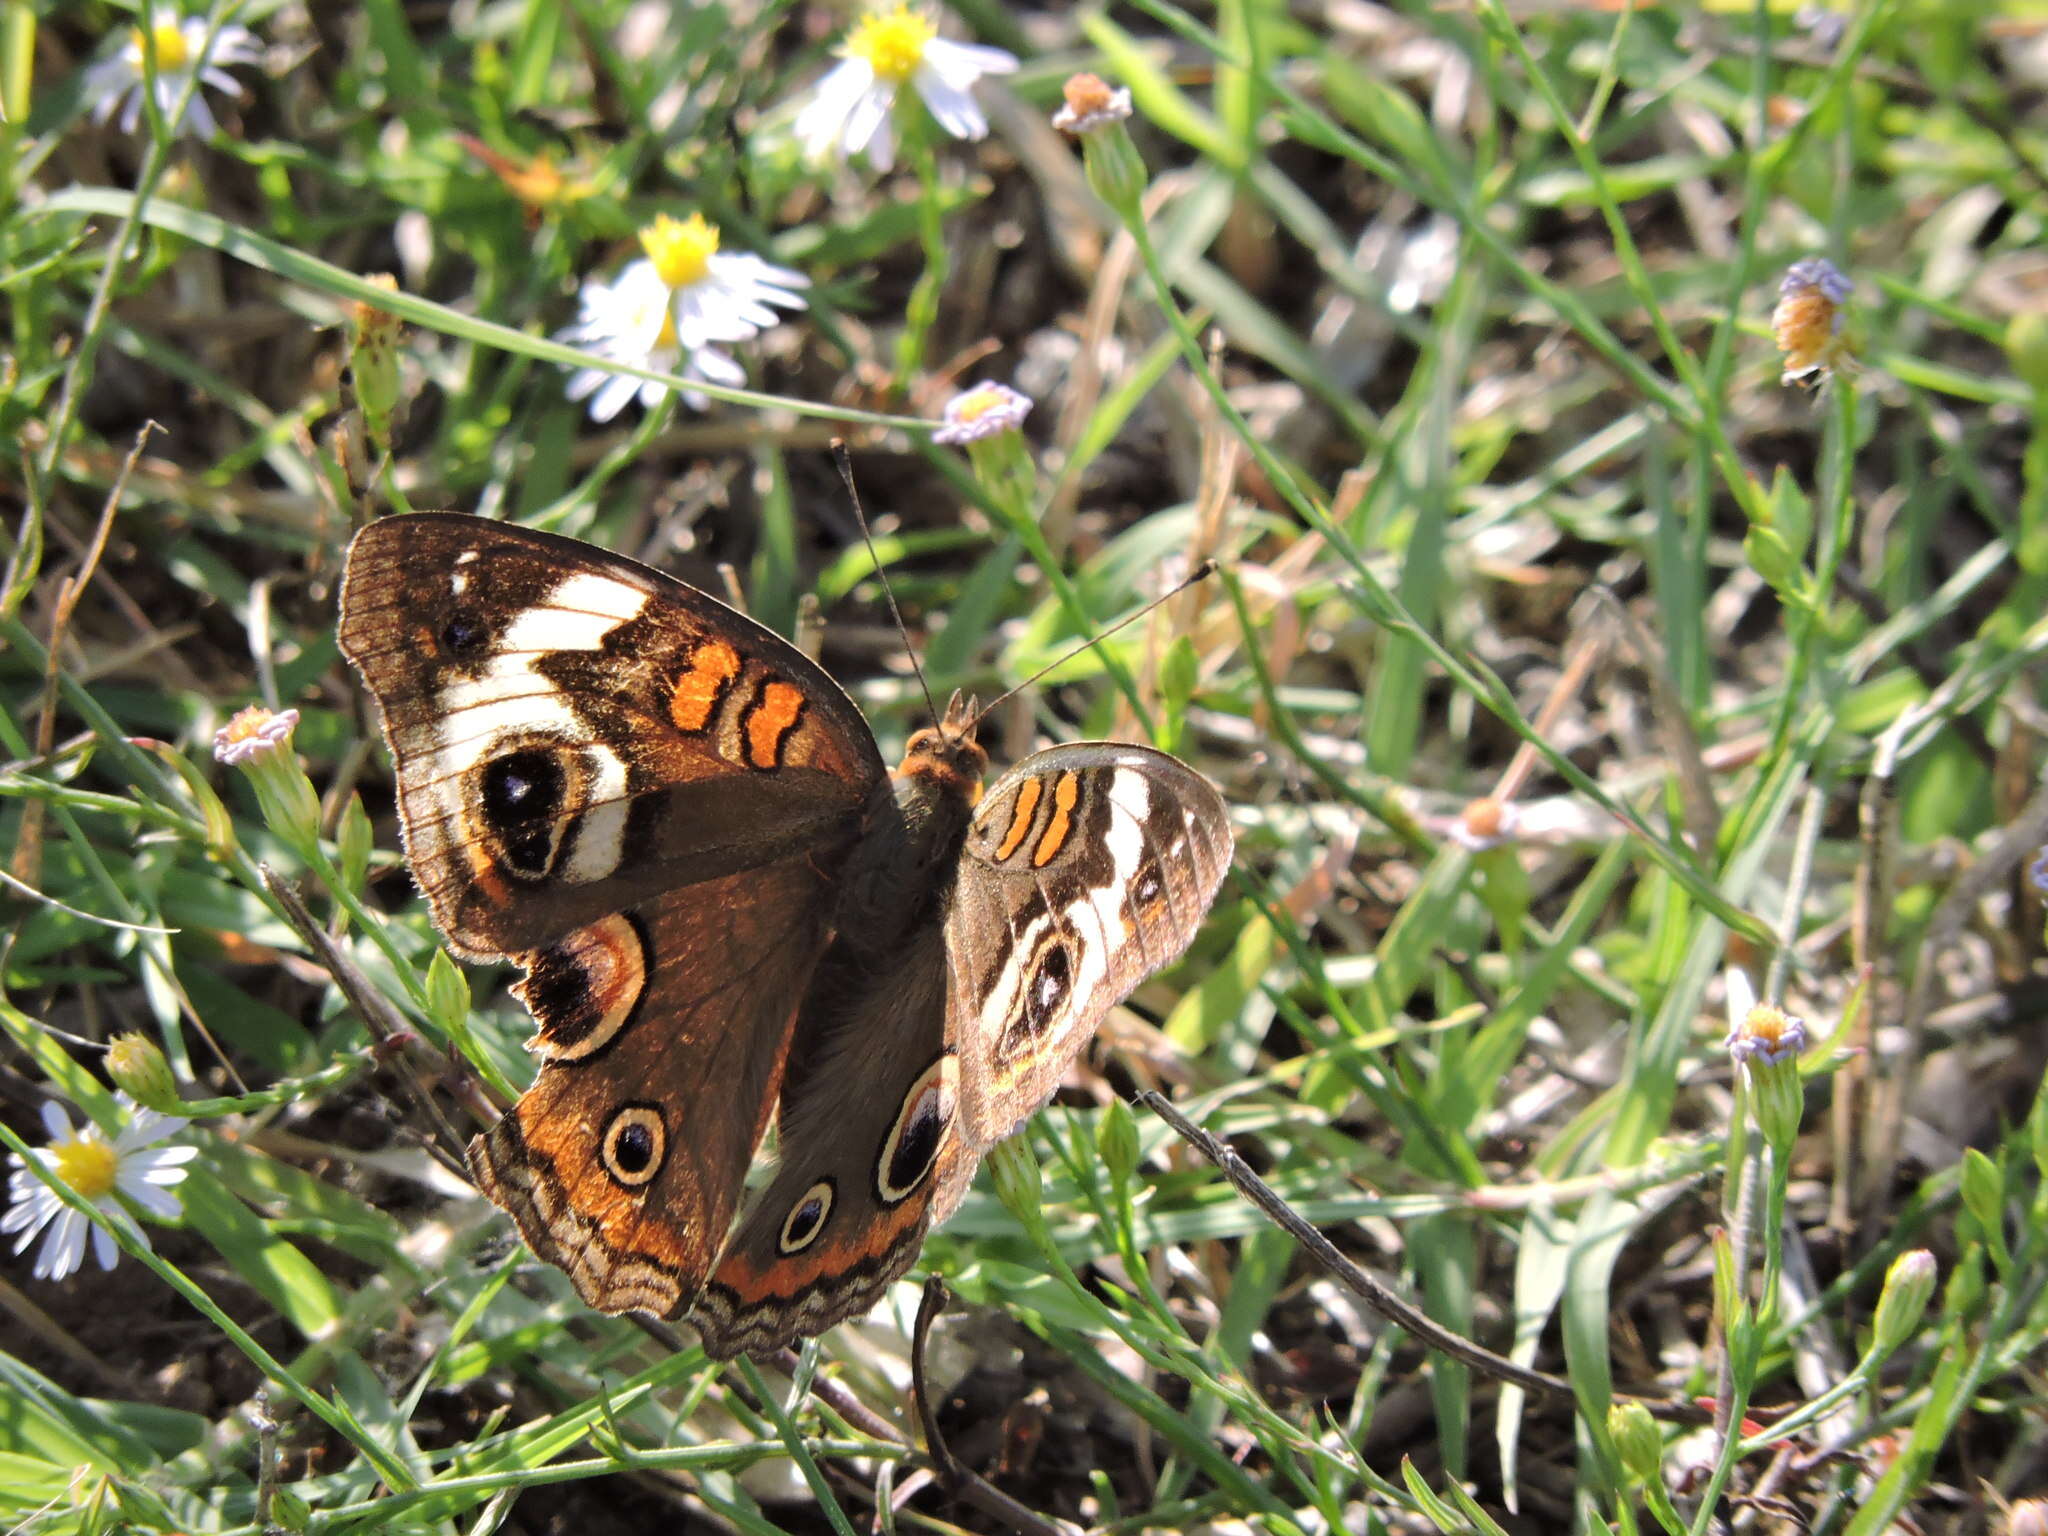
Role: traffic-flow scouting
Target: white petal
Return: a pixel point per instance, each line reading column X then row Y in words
column 158, row 1202
column 198, row 118
column 145, row 1126
column 867, row 124
column 952, row 106
column 713, row 366
column 882, row 147
column 964, row 63
column 819, row 125
column 612, row 397
column 27, row 1216
column 56, row 1125
column 704, row 314
column 103, row 1247
column 63, row 1249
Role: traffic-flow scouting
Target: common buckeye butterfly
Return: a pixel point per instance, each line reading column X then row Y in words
column 727, row 907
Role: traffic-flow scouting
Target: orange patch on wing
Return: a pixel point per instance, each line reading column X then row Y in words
column 787, row 1278
column 1028, row 797
column 713, row 666
column 483, row 869
column 1064, row 795
column 773, row 717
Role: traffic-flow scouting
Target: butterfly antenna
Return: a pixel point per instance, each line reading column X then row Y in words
column 844, row 460
column 1201, row 572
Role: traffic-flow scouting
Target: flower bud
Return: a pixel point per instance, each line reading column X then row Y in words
column 1116, row 1143
column 1908, row 1287
column 447, row 996
column 258, row 741
column 1767, row 1044
column 1019, row 1186
column 373, row 362
column 137, row 1065
column 1636, row 1440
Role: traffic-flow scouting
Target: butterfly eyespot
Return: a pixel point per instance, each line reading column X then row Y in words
column 585, row 989
column 461, row 635
column 1148, row 884
column 523, row 794
column 634, row 1144
column 912, row 1145
column 1050, row 981
column 800, row 1228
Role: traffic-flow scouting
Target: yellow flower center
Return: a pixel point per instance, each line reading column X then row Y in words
column 893, row 42
column 169, row 38
column 247, row 724
column 87, row 1164
column 681, row 249
column 666, row 336
column 1767, row 1026
column 977, row 403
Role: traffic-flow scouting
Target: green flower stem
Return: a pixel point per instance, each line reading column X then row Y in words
column 923, row 308
column 284, row 1091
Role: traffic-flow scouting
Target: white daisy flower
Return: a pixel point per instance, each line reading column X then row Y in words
column 130, row 1165
column 851, row 106
column 633, row 321
column 179, row 46
column 713, row 295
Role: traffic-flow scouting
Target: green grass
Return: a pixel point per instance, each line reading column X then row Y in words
column 1448, row 333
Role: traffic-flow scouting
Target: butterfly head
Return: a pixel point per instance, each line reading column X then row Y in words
column 948, row 751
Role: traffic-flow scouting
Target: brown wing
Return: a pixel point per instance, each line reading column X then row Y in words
column 662, row 1036
column 1087, row 868
column 575, row 732
column 866, row 1131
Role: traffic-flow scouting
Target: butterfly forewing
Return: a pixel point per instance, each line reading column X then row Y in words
column 1087, row 868
column 575, row 732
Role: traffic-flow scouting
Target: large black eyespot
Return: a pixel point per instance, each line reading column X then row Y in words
column 634, row 1144
column 1048, row 987
column 912, row 1145
column 462, row 634
column 522, row 795
column 800, row 1228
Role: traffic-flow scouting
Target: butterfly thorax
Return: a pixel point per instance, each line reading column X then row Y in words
column 899, row 876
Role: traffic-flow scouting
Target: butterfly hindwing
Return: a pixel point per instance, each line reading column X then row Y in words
column 866, row 1135
column 1087, row 867
column 662, row 1034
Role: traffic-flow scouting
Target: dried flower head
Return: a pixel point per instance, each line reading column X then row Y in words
column 1808, row 319
column 253, row 733
column 1485, row 823
column 1090, row 105
column 981, row 412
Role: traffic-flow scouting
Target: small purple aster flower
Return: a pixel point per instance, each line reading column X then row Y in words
column 1767, row 1037
column 253, row 732
column 2038, row 872
column 980, row 412
column 1818, row 273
